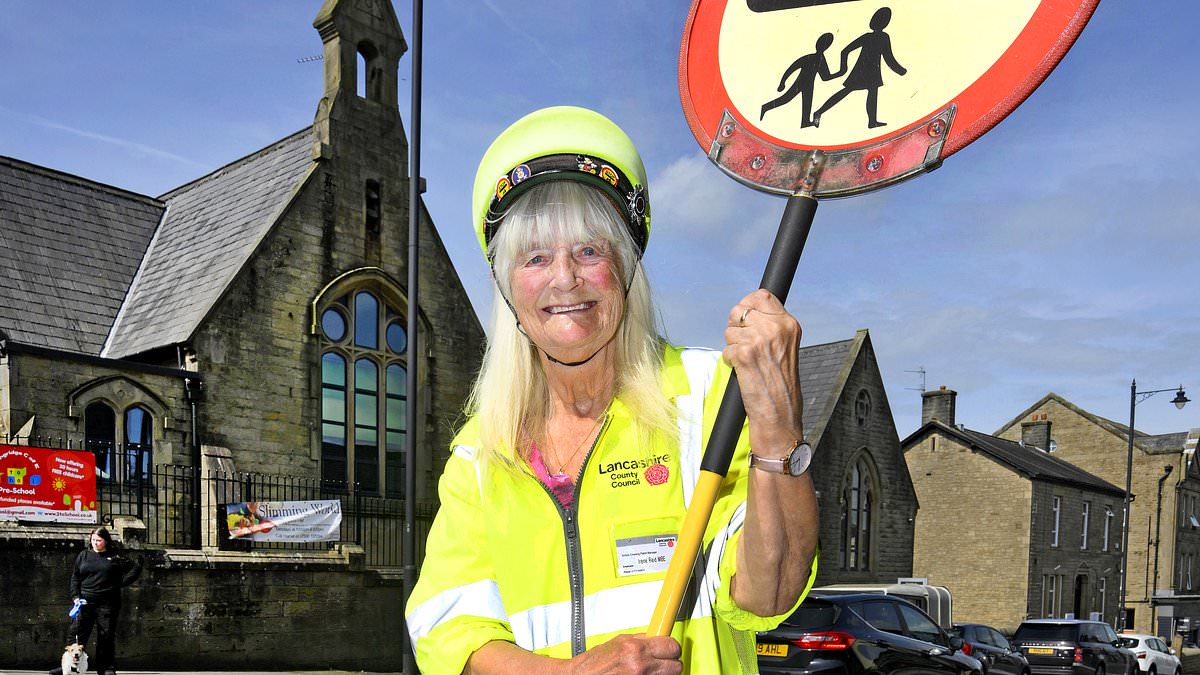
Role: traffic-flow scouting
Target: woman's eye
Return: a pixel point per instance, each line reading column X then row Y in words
column 536, row 259
column 588, row 251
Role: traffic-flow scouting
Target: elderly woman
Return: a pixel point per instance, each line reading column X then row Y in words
column 566, row 488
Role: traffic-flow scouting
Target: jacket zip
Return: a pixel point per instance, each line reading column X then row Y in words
column 574, row 553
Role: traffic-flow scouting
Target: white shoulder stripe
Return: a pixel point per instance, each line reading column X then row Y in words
column 465, row 451
column 700, row 366
column 481, row 598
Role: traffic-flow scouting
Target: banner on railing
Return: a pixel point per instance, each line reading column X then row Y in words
column 47, row 485
column 311, row 520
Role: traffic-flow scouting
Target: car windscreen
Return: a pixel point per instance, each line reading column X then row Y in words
column 1128, row 643
column 812, row 615
column 1047, row 631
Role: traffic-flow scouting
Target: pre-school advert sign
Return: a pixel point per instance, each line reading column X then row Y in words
column 47, row 485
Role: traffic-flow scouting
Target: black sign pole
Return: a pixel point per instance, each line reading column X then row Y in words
column 777, row 278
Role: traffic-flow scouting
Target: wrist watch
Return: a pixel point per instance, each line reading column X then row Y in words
column 794, row 463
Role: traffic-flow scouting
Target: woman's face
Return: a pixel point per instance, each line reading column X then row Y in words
column 98, row 543
column 568, row 298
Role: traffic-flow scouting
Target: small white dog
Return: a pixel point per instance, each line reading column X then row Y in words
column 74, row 660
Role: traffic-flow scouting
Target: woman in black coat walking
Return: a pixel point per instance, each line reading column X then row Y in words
column 99, row 574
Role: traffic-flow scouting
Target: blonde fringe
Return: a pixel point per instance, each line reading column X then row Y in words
column 510, row 397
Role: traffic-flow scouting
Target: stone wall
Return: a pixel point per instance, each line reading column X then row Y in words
column 972, row 530
column 214, row 611
column 57, row 390
column 1094, row 570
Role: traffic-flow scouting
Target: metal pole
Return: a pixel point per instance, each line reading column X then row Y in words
column 1125, row 526
column 410, row 436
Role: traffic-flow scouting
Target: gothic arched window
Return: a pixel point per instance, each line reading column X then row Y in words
column 860, row 498
column 363, row 392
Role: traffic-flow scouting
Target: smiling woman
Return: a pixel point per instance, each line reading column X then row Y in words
column 563, row 500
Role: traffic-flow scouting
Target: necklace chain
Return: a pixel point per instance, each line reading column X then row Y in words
column 562, row 465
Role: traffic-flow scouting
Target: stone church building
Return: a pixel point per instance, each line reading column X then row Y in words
column 867, row 501
column 252, row 320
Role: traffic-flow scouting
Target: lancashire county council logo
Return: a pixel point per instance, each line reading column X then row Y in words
column 657, row 474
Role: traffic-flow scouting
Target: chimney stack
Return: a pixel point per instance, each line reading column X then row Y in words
column 1036, row 432
column 938, row 405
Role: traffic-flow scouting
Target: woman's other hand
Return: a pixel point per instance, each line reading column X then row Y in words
column 630, row 655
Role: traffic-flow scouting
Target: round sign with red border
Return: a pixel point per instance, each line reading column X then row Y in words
column 838, row 97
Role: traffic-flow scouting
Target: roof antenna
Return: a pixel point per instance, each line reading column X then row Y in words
column 921, row 370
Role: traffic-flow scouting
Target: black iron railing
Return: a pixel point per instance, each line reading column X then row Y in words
column 160, row 495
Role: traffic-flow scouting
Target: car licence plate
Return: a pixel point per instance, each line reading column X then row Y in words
column 772, row 650
column 1041, row 650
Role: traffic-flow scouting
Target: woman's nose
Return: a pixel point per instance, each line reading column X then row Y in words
column 565, row 271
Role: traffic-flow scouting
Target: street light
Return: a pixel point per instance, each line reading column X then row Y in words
column 1180, row 400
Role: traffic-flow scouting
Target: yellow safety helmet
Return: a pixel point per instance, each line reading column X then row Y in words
column 561, row 143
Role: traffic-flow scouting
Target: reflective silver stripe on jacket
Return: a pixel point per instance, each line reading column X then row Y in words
column 700, row 366
column 481, row 598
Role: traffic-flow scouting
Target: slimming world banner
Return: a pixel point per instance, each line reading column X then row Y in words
column 313, row 520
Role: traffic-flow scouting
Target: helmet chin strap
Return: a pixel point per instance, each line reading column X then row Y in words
column 574, row 363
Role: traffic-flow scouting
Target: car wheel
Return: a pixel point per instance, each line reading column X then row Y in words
column 1153, row 670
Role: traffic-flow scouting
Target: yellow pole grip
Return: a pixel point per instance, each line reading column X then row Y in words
column 691, row 537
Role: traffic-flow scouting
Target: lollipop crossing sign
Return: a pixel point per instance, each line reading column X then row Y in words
column 833, row 98
column 838, row 97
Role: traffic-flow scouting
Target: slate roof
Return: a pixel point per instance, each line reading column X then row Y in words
column 212, row 227
column 69, row 248
column 1159, row 444
column 823, row 370
column 1032, row 463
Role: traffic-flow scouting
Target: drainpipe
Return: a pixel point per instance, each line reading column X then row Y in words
column 193, row 392
column 1157, row 521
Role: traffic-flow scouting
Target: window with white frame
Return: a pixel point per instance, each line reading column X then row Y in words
column 1048, row 595
column 1102, row 591
column 1083, row 532
column 1056, row 512
column 1108, row 516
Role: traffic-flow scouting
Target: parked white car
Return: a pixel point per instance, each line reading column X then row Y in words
column 1153, row 655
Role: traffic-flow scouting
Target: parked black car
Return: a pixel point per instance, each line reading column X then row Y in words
column 1073, row 647
column 993, row 650
column 861, row 633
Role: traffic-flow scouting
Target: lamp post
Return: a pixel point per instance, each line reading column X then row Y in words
column 1135, row 397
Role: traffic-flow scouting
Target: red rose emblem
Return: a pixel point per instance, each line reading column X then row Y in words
column 657, row 474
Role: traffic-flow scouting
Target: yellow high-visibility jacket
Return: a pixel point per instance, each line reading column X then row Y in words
column 506, row 561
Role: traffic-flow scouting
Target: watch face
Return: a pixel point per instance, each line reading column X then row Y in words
column 799, row 459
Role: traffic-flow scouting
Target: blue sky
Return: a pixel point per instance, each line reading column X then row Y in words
column 1056, row 253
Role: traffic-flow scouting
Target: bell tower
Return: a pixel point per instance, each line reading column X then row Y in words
column 363, row 45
